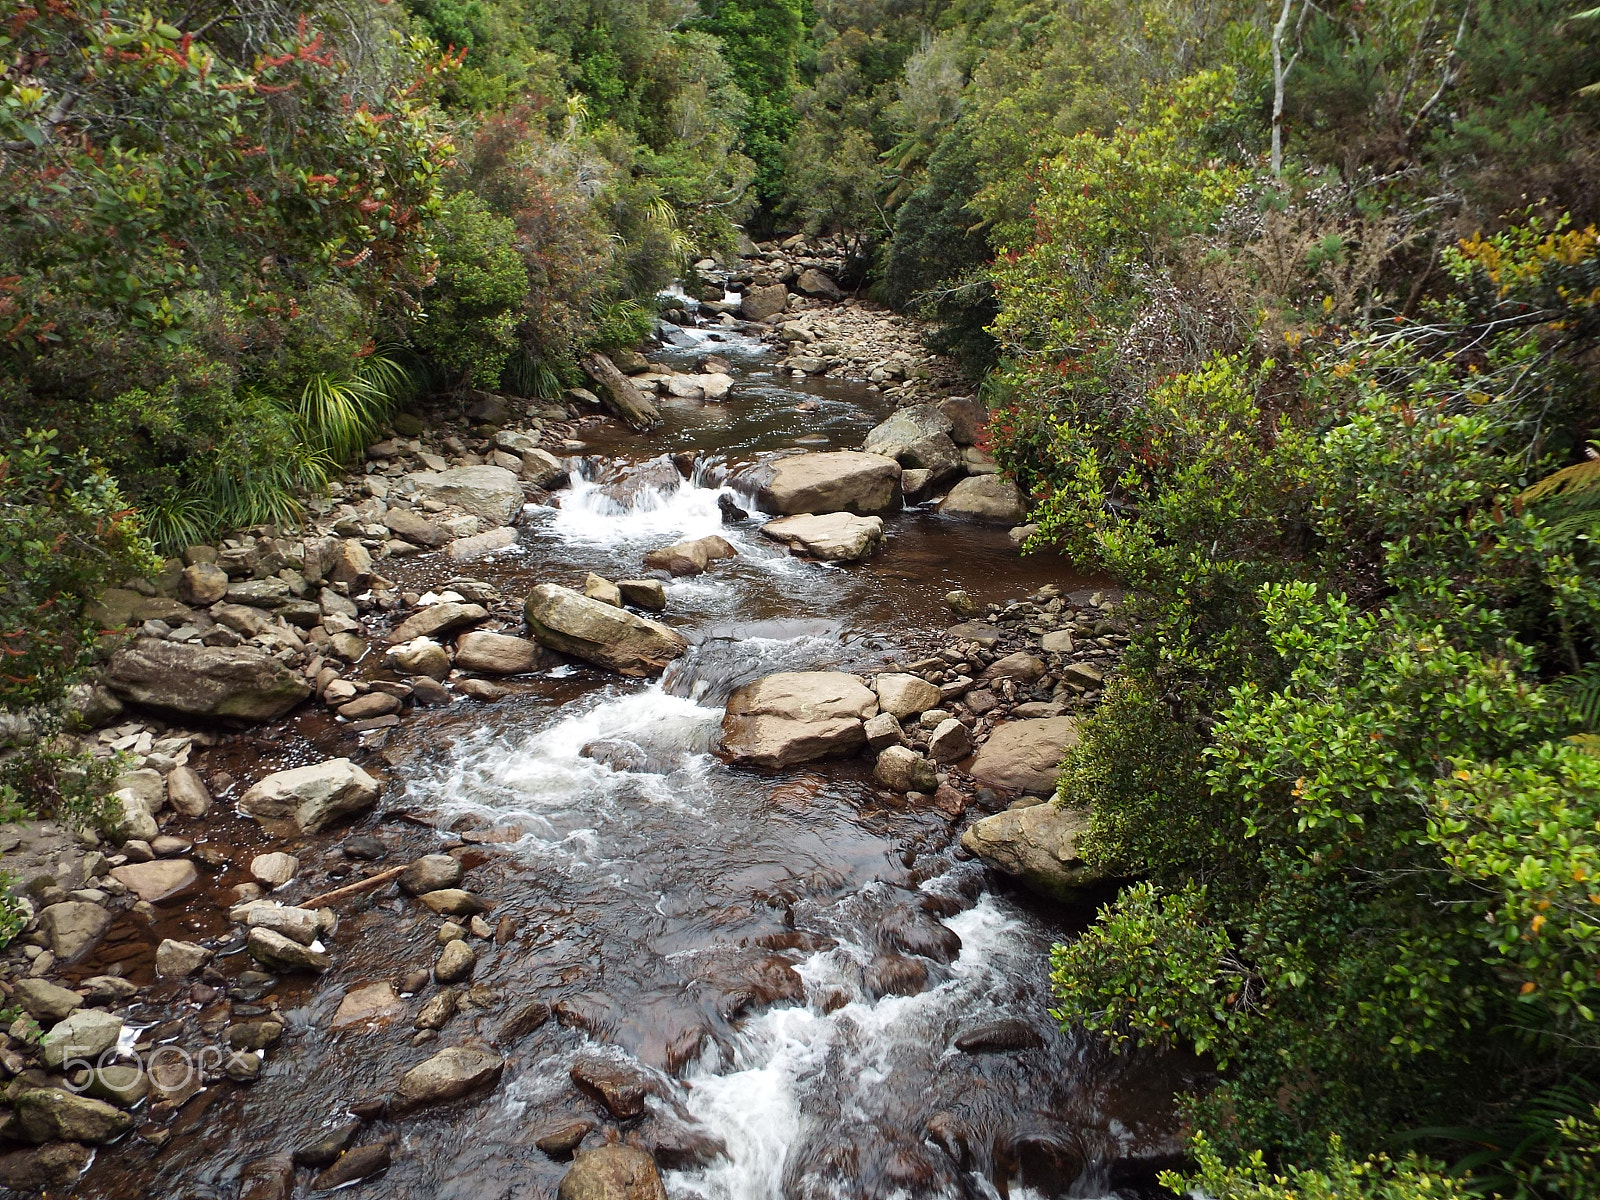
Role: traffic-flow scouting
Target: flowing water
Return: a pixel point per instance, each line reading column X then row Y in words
column 746, row 940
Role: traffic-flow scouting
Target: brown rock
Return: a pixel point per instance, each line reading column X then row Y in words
column 159, row 880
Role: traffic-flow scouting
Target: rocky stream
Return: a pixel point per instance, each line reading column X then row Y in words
column 633, row 794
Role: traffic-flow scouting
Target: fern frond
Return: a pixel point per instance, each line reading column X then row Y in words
column 1566, row 483
column 1582, row 691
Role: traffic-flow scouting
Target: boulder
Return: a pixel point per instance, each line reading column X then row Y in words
column 1019, row 665
column 311, row 796
column 902, row 769
column 47, row 1114
column 1038, row 846
column 478, row 544
column 759, row 303
column 159, row 880
column 620, row 394
column 437, row 620
column 415, row 528
column 347, row 562
column 85, row 1034
column 904, row 428
column 72, row 926
column 430, row 873
column 202, row 584
column 949, row 742
column 648, row 594
column 420, row 656
column 497, row 654
column 452, row 902
column 275, row 868
column 543, row 469
column 691, row 557
column 617, row 1085
column 187, row 792
column 45, row 1002
column 615, row 1172
column 598, row 587
column 884, row 730
column 300, row 924
column 986, row 498
column 832, row 537
column 967, row 416
column 456, row 962
column 175, row 959
column 905, row 695
column 815, row 283
column 56, row 1165
column 797, row 716
column 493, row 494
column 373, row 704
column 1057, row 641
column 1025, row 755
column 278, row 953
column 838, row 481
column 936, row 455
column 205, row 681
column 599, row 633
column 448, row 1075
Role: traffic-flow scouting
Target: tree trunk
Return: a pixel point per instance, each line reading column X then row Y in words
column 620, row 394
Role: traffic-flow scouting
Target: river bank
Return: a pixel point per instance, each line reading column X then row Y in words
column 718, row 914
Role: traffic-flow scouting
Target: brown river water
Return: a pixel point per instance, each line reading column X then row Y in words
column 723, row 930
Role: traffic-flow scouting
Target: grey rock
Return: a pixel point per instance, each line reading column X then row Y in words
column 72, row 926
column 838, row 481
column 85, row 1034
column 456, row 962
column 448, row 1075
column 831, row 537
column 902, row 769
column 497, row 654
column 986, row 498
column 430, row 873
column 438, row 620
column 1038, row 846
column 278, row 953
column 950, row 742
column 1025, row 755
column 600, row 633
column 205, row 681
column 491, row 493
column 311, row 796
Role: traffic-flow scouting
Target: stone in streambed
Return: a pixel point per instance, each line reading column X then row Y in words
column 950, row 741
column 902, row 769
column 615, row 1172
column 373, row 704
column 759, row 303
column 1036, row 845
column 1021, row 666
column 48, row 1114
column 456, row 962
column 421, row 656
column 905, row 695
column 175, row 959
column 85, row 1034
column 202, row 584
column 884, row 730
column 187, row 793
column 690, row 557
column 797, row 716
column 479, row 544
column 831, row 537
column 46, row 1002
column 619, row 1086
column 1025, row 755
column 415, row 528
column 436, row 1013
column 205, row 681
column 997, row 1036
column 360, row 1163
column 986, row 498
column 312, row 796
column 648, row 594
column 430, row 873
column 72, row 926
column 598, row 587
column 453, row 902
column 323, row 1149
column 497, row 654
column 448, row 1075
column 364, row 1005
column 438, row 620
column 56, row 1165
column 279, row 953
column 275, row 869
column 839, row 481
column 493, row 494
column 599, row 633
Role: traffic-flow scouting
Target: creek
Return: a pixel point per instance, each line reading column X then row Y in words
column 741, row 941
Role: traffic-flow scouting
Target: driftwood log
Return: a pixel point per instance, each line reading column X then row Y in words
column 620, row 395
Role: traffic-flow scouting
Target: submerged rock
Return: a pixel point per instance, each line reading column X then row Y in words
column 448, row 1075
column 1036, row 845
column 599, row 633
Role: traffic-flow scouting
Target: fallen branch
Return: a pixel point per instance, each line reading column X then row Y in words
column 351, row 889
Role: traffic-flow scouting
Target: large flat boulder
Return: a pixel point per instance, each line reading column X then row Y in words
column 1037, row 846
column 205, row 681
column 987, row 498
column 832, row 537
column 797, row 716
column 492, row 493
column 759, row 303
column 838, row 481
column 1025, row 755
column 600, row 633
column 313, row 796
